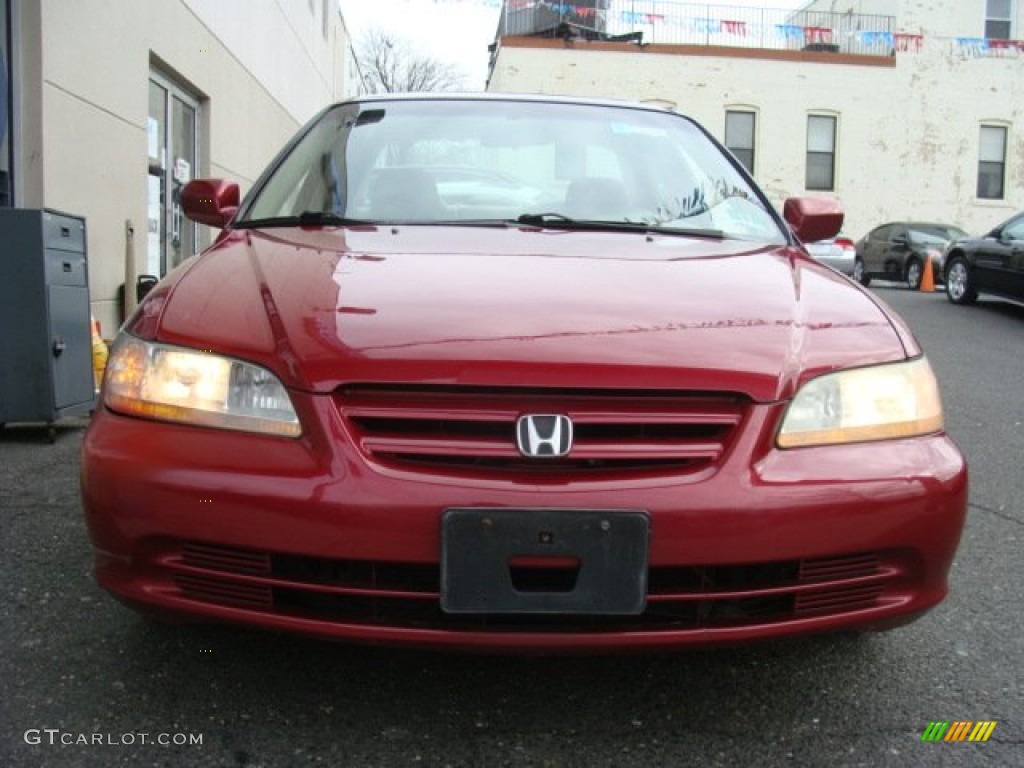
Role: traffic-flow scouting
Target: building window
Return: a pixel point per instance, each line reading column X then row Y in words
column 999, row 19
column 991, row 162
column 739, row 137
column 821, row 152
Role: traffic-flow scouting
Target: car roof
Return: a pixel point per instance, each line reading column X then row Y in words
column 901, row 223
column 377, row 98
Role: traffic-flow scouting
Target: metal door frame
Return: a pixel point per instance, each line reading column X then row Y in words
column 172, row 90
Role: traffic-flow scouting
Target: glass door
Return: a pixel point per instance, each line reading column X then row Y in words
column 6, row 185
column 173, row 149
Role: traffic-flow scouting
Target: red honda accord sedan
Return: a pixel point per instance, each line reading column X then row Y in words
column 507, row 373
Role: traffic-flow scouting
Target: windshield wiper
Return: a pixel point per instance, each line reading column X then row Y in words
column 325, row 219
column 561, row 221
column 543, row 219
column 304, row 219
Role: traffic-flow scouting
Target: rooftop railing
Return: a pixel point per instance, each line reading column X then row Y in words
column 673, row 23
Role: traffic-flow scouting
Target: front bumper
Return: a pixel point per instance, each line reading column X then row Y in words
column 309, row 536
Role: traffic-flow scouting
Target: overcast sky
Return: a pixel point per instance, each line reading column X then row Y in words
column 459, row 31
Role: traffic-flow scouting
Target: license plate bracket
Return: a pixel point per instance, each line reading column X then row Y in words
column 480, row 546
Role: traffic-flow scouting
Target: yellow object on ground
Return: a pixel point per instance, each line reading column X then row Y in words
column 99, row 354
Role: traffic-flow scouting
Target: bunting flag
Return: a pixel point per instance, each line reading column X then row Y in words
column 972, row 46
column 789, row 31
column 496, row 4
column 636, row 17
column 818, row 35
column 904, row 42
column 789, row 35
column 876, row 39
column 734, row 27
column 706, row 26
column 998, row 47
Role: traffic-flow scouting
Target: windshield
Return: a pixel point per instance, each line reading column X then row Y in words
column 465, row 162
column 935, row 235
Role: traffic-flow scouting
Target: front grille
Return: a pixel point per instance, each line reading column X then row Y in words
column 224, row 591
column 408, row 594
column 838, row 600
column 473, row 429
column 225, row 558
column 835, row 568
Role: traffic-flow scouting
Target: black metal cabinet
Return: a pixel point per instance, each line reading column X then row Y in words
column 45, row 322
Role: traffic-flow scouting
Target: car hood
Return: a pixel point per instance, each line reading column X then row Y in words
column 522, row 306
column 970, row 242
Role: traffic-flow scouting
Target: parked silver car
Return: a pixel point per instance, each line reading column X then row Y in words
column 838, row 252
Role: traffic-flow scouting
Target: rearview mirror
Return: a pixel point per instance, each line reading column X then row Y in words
column 813, row 218
column 210, row 201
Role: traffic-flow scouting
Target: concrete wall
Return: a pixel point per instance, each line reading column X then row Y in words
column 908, row 125
column 260, row 68
column 282, row 46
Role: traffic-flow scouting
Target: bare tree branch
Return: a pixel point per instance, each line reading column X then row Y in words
column 390, row 65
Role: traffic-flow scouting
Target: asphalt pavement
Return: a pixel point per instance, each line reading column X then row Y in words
column 86, row 682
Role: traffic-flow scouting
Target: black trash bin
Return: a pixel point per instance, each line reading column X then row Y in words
column 143, row 285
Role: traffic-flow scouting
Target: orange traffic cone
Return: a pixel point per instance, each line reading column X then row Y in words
column 927, row 279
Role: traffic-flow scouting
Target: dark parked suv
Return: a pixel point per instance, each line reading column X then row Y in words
column 990, row 264
column 900, row 249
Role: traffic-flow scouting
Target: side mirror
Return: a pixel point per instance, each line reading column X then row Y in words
column 813, row 218
column 210, row 201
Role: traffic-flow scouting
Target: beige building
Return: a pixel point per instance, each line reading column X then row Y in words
column 113, row 105
column 898, row 108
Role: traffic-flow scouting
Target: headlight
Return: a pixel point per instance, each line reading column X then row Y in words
column 877, row 403
column 156, row 381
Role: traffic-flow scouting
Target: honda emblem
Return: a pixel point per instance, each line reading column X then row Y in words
column 544, row 435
